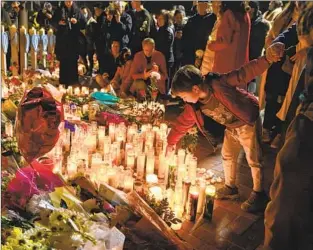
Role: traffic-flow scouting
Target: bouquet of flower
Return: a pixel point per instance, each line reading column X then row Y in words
column 190, row 140
column 154, row 78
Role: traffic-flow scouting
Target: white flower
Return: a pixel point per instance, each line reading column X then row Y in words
column 155, row 75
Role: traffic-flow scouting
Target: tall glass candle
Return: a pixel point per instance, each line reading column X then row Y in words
column 141, row 160
column 192, row 204
column 209, row 202
column 150, row 162
column 201, row 200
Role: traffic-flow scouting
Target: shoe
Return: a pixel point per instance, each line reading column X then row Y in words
column 257, row 202
column 277, row 142
column 266, row 135
column 227, row 193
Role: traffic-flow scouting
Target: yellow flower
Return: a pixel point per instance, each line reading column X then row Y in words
column 193, row 131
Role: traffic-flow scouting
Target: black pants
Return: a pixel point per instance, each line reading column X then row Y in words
column 69, row 71
column 271, row 121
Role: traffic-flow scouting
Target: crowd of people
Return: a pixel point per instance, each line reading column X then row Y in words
column 225, row 61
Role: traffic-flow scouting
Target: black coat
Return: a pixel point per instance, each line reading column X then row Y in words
column 98, row 35
column 127, row 24
column 67, row 36
column 195, row 35
column 164, row 41
column 277, row 81
column 43, row 20
column 113, row 31
column 259, row 29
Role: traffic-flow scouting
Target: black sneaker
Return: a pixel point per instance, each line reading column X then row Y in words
column 257, row 202
column 227, row 193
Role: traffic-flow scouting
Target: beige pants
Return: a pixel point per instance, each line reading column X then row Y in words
column 248, row 138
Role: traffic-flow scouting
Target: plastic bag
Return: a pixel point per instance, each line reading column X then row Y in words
column 37, row 126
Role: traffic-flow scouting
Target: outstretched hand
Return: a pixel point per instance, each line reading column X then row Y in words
column 275, row 52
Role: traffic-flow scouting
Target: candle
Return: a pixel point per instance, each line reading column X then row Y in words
column 141, row 158
column 178, row 195
column 71, row 167
column 186, row 187
column 156, row 192
column 151, row 179
column 112, row 131
column 70, row 90
column 128, row 183
column 192, row 204
column 102, row 90
column 176, row 226
column 85, row 108
column 181, row 156
column 77, row 91
column 95, row 90
column 106, row 145
column 96, row 162
column 162, row 166
column 209, row 203
column 86, row 92
column 130, row 159
column 150, row 162
column 101, row 135
column 180, row 174
column 201, row 199
column 192, row 170
column 84, row 88
column 9, row 129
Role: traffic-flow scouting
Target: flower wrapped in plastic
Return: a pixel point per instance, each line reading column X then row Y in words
column 37, row 126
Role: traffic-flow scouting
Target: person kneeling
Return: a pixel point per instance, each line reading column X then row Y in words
column 222, row 98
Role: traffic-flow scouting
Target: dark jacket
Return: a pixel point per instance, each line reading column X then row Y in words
column 127, row 24
column 178, row 43
column 113, row 31
column 98, row 35
column 43, row 20
column 164, row 40
column 259, row 29
column 228, row 89
column 277, row 81
column 195, row 35
column 67, row 43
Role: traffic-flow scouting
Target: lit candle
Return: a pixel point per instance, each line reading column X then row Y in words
column 77, row 91
column 201, row 199
column 192, row 204
column 102, row 90
column 156, row 192
column 70, row 90
column 84, row 88
column 101, row 135
column 112, row 178
column 209, row 202
column 162, row 166
column 71, row 167
column 95, row 90
column 86, row 92
column 150, row 162
column 128, row 183
column 192, row 170
column 141, row 159
column 106, row 145
column 181, row 156
column 151, row 179
column 112, row 131
column 130, row 159
column 85, row 108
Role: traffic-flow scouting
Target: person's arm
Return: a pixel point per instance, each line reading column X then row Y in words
column 117, row 78
column 226, row 32
column 183, row 123
column 126, row 83
column 242, row 76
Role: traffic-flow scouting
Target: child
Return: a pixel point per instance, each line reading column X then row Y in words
column 222, row 98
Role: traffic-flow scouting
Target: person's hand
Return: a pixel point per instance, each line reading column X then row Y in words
column 49, row 16
column 155, row 68
column 62, row 22
column 73, row 20
column 179, row 34
column 118, row 17
column 301, row 54
column 146, row 74
column 275, row 52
